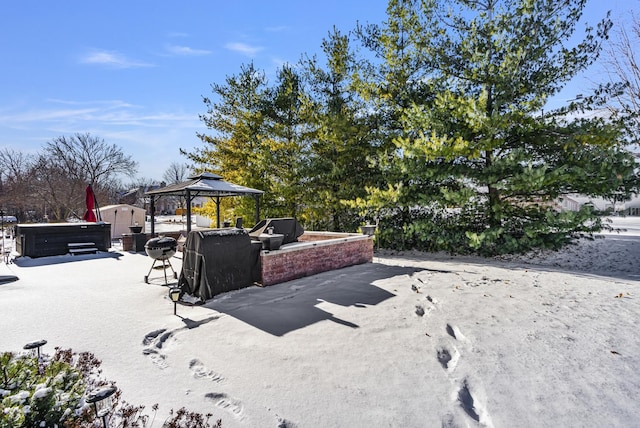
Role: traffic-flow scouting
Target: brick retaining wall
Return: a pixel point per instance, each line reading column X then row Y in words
column 314, row 254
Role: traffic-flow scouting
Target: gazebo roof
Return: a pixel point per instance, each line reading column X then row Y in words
column 205, row 184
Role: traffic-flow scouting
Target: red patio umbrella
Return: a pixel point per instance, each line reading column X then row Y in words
column 90, row 215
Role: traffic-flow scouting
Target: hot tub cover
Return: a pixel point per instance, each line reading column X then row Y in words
column 218, row 260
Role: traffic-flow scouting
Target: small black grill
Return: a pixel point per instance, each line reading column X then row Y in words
column 161, row 249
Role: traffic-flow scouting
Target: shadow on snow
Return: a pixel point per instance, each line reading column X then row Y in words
column 283, row 308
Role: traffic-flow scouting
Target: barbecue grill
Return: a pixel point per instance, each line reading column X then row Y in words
column 161, row 250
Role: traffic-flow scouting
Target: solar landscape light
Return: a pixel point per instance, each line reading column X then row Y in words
column 36, row 345
column 102, row 401
column 174, row 294
column 368, row 229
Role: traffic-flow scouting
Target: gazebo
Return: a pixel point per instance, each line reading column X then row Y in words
column 205, row 184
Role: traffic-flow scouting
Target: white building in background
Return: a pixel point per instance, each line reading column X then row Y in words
column 575, row 202
column 632, row 207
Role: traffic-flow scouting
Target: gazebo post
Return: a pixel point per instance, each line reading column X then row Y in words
column 188, row 197
column 218, row 212
column 153, row 216
column 257, row 197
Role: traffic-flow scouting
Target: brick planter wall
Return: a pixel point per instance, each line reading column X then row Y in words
column 312, row 236
column 318, row 252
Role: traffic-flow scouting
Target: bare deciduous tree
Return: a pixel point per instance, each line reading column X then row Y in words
column 16, row 185
column 52, row 183
column 15, row 165
column 89, row 158
column 67, row 164
column 62, row 194
column 176, row 173
column 622, row 61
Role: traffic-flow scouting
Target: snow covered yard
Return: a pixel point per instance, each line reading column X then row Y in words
column 411, row 340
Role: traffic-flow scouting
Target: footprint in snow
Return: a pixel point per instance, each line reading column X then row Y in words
column 448, row 359
column 156, row 357
column 465, row 395
column 449, row 421
column 150, row 337
column 472, row 406
column 283, row 423
column 201, row 372
column 157, row 338
column 466, row 402
column 223, row 401
column 153, row 342
column 455, row 332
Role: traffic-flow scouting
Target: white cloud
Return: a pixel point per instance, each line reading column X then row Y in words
column 107, row 103
column 185, row 50
column 178, row 34
column 112, row 59
column 243, row 48
column 276, row 29
column 140, row 130
column 280, row 62
column 91, row 113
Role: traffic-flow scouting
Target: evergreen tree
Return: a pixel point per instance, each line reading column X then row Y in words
column 256, row 140
column 285, row 136
column 343, row 138
column 478, row 166
column 235, row 149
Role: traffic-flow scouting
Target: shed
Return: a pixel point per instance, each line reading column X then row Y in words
column 121, row 217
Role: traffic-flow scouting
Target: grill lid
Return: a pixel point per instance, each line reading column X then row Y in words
column 162, row 242
column 161, row 248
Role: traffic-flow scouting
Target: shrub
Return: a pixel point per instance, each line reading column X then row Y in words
column 40, row 393
column 51, row 391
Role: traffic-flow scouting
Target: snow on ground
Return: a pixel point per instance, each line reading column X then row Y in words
column 410, row 340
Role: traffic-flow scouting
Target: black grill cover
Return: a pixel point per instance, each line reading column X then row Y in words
column 289, row 227
column 218, row 260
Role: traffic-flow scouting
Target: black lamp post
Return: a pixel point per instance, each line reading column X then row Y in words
column 2, row 229
column 174, row 294
column 102, row 401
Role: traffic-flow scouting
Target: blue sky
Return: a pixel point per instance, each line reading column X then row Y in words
column 134, row 72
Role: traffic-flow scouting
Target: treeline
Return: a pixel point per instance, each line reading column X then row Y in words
column 433, row 124
column 305, row 139
column 50, row 185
